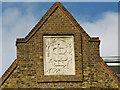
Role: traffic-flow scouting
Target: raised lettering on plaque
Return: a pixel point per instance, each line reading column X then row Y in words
column 59, row 55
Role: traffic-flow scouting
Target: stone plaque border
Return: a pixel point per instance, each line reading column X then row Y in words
column 71, row 37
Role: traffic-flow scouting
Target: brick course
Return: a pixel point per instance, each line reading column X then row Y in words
column 29, row 71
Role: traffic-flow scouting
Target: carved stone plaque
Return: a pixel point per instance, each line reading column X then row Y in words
column 59, row 55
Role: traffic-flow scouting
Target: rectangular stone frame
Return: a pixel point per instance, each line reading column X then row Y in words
column 41, row 78
column 59, row 58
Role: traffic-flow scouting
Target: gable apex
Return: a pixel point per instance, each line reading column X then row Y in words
column 47, row 15
column 58, row 52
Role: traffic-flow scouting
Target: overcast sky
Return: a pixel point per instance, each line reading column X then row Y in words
column 98, row 19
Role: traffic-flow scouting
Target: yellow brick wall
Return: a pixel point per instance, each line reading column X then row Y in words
column 29, row 72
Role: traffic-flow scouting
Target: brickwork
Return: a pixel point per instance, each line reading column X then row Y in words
column 29, row 71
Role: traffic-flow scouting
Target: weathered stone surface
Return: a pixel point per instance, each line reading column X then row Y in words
column 90, row 70
column 59, row 55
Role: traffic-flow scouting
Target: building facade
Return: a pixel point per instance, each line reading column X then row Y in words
column 58, row 53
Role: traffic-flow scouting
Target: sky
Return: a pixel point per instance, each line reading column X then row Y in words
column 60, row 0
column 0, row 39
column 18, row 18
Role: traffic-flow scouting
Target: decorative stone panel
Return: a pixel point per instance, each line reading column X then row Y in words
column 88, row 70
column 59, row 58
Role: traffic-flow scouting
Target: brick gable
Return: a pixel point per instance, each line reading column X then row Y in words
column 28, row 69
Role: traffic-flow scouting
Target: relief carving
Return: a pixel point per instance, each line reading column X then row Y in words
column 59, row 55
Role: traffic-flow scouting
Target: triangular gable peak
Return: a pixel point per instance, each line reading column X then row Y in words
column 55, row 6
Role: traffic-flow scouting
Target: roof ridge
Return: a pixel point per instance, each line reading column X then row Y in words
column 46, row 16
